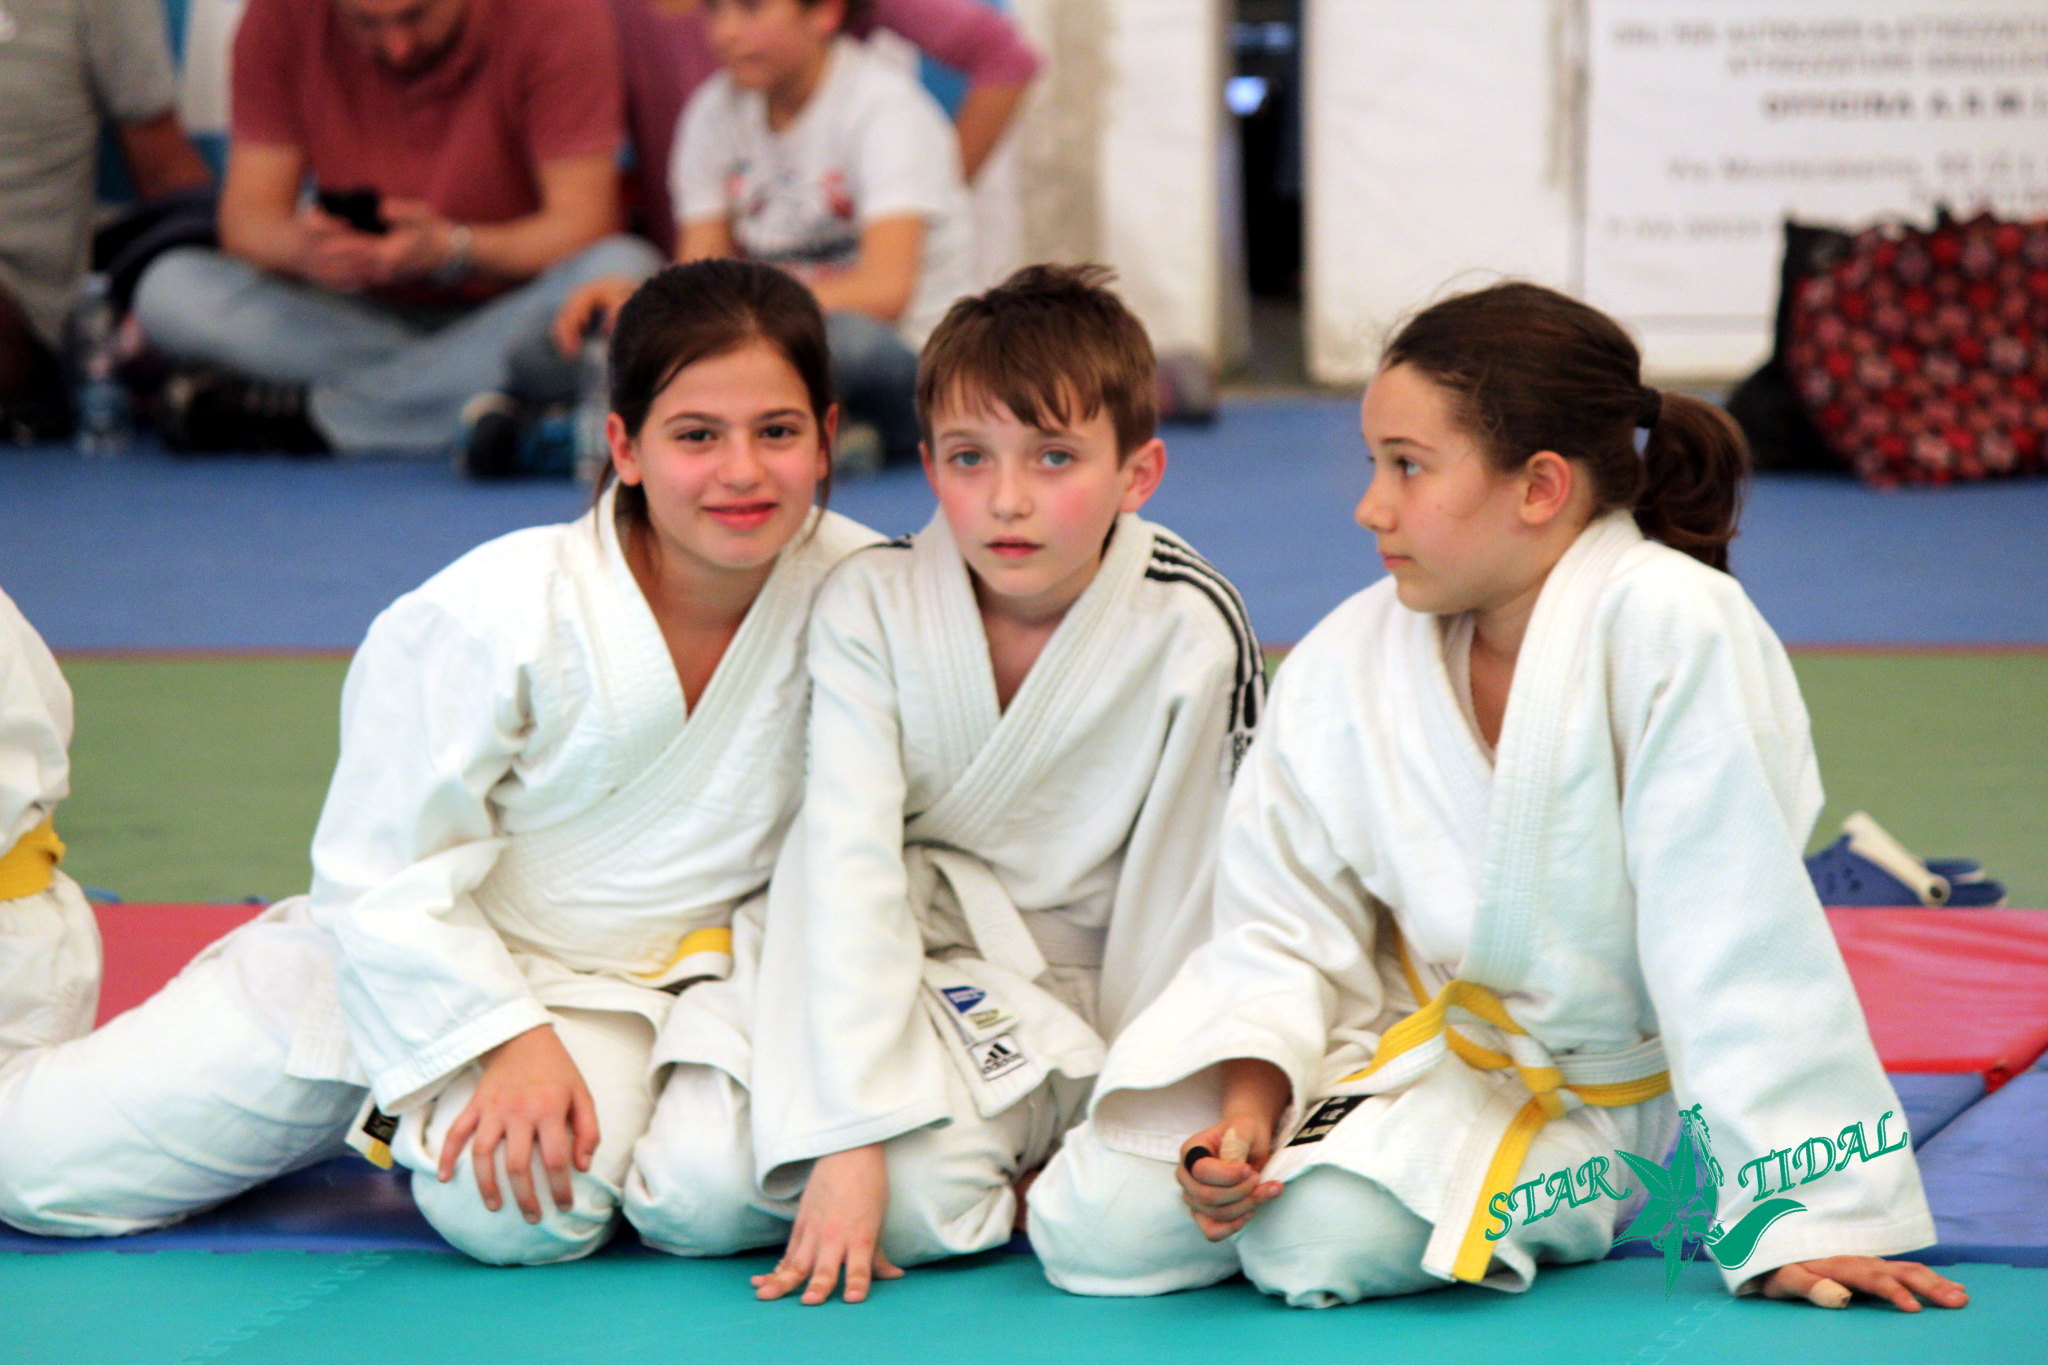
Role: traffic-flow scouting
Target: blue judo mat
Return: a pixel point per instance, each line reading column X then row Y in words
column 148, row 552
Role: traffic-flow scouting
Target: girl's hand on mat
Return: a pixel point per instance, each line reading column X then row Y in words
column 596, row 302
column 838, row 1224
column 1830, row 1282
column 1219, row 1172
column 531, row 1096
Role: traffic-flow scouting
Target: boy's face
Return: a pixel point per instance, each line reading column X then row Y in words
column 1030, row 508
column 764, row 42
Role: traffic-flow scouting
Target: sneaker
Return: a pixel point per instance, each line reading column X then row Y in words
column 1866, row 866
column 213, row 411
column 488, row 447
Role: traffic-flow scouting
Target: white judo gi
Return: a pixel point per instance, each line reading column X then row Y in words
column 524, row 828
column 49, row 942
column 1624, row 876
column 974, row 897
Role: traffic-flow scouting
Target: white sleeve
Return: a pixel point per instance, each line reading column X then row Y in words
column 1760, row 1023
column 843, row 1055
column 702, row 156
column 1292, row 953
column 907, row 159
column 432, row 717
column 1164, row 887
column 35, row 727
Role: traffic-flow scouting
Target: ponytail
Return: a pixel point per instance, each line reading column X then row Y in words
column 1695, row 467
column 1530, row 369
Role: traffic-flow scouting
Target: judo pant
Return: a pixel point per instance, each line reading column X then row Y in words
column 952, row 1189
column 1106, row 1222
column 186, row 1100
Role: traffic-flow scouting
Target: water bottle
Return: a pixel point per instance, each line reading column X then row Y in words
column 593, row 406
column 89, row 352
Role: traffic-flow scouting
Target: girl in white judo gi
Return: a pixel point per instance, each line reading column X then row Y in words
column 1024, row 722
column 567, row 762
column 1515, row 862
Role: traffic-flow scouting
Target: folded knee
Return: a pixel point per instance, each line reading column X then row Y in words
column 704, row 1207
column 1115, row 1225
column 1335, row 1238
column 503, row 1236
column 180, row 293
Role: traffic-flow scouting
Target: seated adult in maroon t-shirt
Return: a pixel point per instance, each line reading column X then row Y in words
column 465, row 158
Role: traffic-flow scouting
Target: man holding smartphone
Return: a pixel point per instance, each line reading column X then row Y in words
column 463, row 157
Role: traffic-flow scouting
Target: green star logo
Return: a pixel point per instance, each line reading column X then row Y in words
column 1678, row 1215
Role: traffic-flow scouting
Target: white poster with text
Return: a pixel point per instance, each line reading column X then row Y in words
column 1711, row 121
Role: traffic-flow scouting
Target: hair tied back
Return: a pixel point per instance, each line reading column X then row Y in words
column 1649, row 407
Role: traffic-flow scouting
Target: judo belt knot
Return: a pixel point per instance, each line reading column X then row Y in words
column 1427, row 1035
column 30, row 866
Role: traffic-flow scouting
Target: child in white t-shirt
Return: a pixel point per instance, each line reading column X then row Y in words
column 811, row 153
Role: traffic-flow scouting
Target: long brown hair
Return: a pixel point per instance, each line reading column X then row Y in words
column 688, row 313
column 1530, row 369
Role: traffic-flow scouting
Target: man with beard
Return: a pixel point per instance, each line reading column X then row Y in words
column 413, row 188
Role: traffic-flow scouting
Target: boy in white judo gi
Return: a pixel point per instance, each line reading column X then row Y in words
column 1024, row 722
column 1515, row 862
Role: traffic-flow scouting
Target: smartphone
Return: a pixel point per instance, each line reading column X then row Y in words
column 360, row 209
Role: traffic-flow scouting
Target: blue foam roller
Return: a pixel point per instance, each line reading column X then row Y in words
column 1933, row 1101
column 1985, row 1174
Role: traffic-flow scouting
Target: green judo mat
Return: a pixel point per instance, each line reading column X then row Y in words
column 200, row 779
column 305, row 1308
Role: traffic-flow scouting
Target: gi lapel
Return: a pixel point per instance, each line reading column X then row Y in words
column 1015, row 748
column 1527, row 766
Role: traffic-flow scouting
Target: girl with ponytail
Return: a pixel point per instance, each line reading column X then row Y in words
column 1510, row 879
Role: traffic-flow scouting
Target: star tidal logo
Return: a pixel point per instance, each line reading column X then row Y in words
column 1679, row 1216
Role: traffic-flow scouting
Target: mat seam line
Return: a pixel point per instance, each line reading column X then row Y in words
column 358, row 1264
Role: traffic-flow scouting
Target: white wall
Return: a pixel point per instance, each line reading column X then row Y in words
column 1441, row 141
column 1121, row 155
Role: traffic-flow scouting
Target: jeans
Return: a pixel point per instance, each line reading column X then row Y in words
column 875, row 372
column 378, row 377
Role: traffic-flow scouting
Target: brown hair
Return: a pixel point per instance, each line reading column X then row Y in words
column 1531, row 369
column 1052, row 344
column 688, row 313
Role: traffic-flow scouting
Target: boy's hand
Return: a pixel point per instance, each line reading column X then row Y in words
column 1829, row 1283
column 838, row 1224
column 531, row 1096
column 1219, row 1173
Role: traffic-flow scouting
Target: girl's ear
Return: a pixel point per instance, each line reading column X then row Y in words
column 830, row 444
column 624, row 458
column 1548, row 482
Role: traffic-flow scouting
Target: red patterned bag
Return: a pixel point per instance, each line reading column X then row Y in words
column 1922, row 356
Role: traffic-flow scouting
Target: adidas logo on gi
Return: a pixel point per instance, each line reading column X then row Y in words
column 998, row 1056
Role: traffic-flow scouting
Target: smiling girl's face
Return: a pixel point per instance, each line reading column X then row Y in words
column 729, row 457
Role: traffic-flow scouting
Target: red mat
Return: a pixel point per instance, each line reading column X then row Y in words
column 145, row 946
column 1951, row 990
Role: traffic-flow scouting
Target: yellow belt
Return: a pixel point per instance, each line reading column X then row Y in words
column 717, row 939
column 1475, row 1253
column 29, row 866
